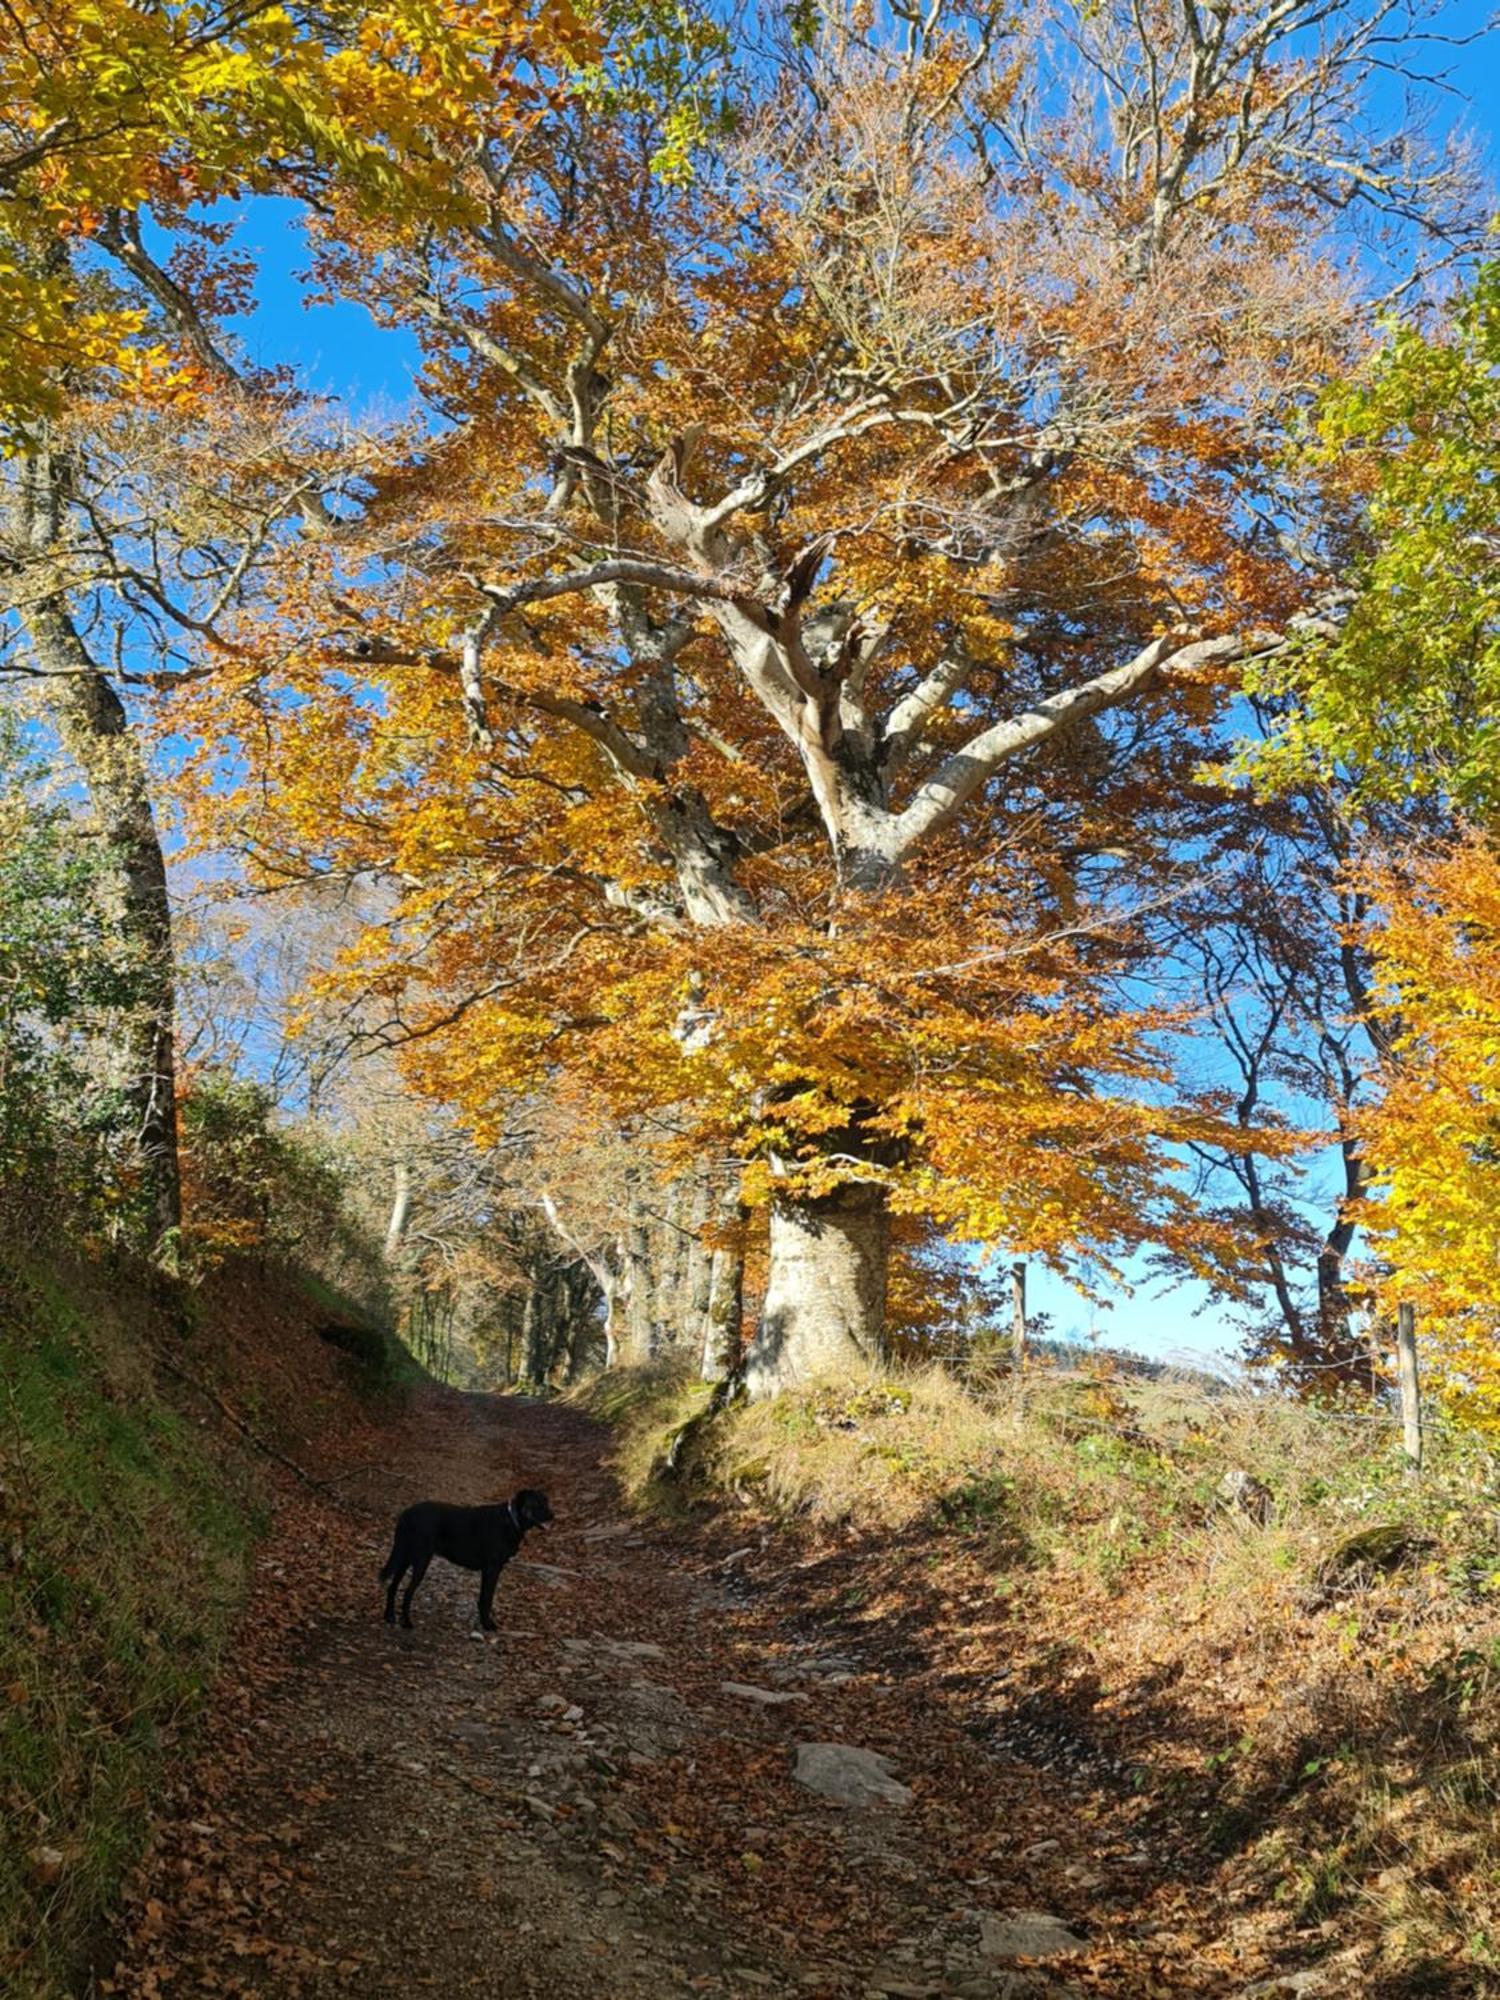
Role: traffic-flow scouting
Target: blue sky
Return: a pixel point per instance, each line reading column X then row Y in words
column 338, row 351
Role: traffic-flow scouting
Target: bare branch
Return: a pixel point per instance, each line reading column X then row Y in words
column 960, row 776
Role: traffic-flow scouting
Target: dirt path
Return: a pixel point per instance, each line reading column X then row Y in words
column 584, row 1807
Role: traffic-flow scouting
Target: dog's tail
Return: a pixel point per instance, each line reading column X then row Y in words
column 392, row 1566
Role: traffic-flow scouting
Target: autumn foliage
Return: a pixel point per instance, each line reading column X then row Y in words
column 772, row 675
column 718, row 684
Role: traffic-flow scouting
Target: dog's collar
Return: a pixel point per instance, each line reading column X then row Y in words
column 515, row 1519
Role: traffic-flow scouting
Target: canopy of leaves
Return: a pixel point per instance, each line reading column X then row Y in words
column 109, row 108
column 1404, row 702
column 716, row 689
column 1407, row 697
column 1433, row 1136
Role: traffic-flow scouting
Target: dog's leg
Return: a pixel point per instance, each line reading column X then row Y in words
column 390, row 1595
column 487, row 1583
column 418, row 1571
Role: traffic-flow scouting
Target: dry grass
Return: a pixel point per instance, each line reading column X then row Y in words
column 1313, row 1699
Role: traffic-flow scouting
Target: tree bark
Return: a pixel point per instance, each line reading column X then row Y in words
column 725, row 1304
column 96, row 733
column 395, row 1229
column 825, row 1302
column 698, row 1276
column 640, row 1313
column 95, row 730
column 1018, row 1314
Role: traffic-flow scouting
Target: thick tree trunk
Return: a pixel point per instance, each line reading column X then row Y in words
column 825, row 1298
column 724, row 1306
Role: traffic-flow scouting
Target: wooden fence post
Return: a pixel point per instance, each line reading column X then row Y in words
column 1406, row 1364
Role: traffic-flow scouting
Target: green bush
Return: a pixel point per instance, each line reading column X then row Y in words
column 65, row 983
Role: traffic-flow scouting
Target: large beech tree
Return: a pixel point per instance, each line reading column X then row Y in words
column 774, row 679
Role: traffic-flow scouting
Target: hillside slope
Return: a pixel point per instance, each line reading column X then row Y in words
column 144, row 1435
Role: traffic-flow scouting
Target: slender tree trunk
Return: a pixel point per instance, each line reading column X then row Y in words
column 673, row 1327
column 395, row 1229
column 640, row 1302
column 1018, row 1313
column 825, row 1301
column 96, row 732
column 698, row 1277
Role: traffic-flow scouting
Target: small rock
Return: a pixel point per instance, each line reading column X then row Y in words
column 622, row 1649
column 1025, row 1934
column 848, row 1775
column 1242, row 1493
column 46, row 1866
column 767, row 1697
column 550, row 1703
column 1288, row 1984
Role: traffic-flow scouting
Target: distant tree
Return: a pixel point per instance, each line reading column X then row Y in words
column 1401, row 702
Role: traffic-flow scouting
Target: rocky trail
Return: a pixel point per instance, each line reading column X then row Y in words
column 682, row 1767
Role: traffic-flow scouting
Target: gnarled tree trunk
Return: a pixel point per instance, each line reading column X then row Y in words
column 824, row 1312
column 96, row 731
column 92, row 722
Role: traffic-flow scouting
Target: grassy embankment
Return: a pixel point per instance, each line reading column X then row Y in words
column 1306, row 1697
column 131, row 1499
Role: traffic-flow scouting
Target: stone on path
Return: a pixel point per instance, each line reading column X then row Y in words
column 620, row 1649
column 767, row 1697
column 1313, row 1980
column 849, row 1776
column 1025, row 1934
column 550, row 1573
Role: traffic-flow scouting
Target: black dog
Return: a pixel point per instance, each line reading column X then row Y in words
column 482, row 1538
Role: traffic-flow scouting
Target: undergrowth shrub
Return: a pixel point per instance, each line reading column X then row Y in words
column 1092, row 1476
column 66, row 983
column 255, row 1185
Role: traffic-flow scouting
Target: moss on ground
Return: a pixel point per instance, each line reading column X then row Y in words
column 124, row 1548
